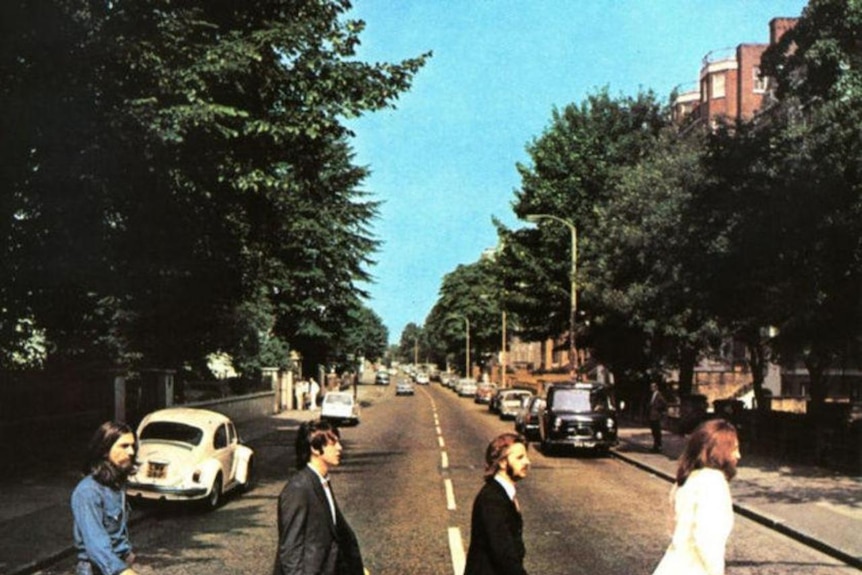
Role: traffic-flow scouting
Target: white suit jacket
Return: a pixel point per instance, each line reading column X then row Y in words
column 703, row 519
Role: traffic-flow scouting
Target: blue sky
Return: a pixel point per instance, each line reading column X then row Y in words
column 444, row 162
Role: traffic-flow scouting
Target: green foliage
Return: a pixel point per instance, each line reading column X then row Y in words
column 471, row 293
column 188, row 163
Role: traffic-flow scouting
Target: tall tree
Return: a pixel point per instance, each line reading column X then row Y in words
column 818, row 191
column 470, row 294
column 175, row 164
column 646, row 313
column 574, row 171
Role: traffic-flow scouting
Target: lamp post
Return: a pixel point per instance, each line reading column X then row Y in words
column 503, row 355
column 573, row 355
column 467, row 324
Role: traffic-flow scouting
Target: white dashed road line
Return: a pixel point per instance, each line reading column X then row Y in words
column 456, row 548
column 456, row 543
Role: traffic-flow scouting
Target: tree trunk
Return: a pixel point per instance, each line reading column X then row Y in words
column 688, row 357
column 757, row 363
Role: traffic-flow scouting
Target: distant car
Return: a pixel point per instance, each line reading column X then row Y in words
column 484, row 392
column 527, row 420
column 422, row 378
column 340, row 408
column 511, row 401
column 382, row 377
column 404, row 387
column 188, row 454
column 579, row 415
column 466, row 387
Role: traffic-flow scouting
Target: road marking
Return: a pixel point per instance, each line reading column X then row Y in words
column 440, row 441
column 456, row 549
column 450, row 495
column 439, row 431
column 444, row 460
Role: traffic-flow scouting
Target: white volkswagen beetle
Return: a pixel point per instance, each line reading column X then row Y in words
column 187, row 454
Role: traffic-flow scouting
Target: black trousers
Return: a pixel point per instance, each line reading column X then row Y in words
column 655, row 427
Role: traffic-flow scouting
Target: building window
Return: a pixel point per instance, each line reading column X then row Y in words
column 760, row 82
column 718, row 82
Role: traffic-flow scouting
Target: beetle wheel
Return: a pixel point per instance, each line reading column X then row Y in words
column 214, row 498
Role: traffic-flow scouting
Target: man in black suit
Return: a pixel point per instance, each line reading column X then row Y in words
column 656, row 409
column 496, row 531
column 313, row 536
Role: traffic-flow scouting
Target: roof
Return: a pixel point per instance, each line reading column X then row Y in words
column 189, row 415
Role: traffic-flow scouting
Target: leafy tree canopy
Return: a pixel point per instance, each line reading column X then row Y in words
column 169, row 167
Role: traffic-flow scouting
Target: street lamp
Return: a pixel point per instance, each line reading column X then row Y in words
column 467, row 323
column 503, row 354
column 573, row 355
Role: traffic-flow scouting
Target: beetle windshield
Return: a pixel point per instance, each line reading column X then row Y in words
column 172, row 431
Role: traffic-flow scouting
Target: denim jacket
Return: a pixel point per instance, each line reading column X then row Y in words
column 101, row 528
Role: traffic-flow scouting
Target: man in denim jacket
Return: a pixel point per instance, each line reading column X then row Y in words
column 99, row 503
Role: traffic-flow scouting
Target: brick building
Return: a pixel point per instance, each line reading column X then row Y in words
column 731, row 86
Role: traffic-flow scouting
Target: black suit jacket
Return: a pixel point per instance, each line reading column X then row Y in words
column 496, row 534
column 309, row 543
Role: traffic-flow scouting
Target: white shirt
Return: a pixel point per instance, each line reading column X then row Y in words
column 507, row 485
column 324, row 481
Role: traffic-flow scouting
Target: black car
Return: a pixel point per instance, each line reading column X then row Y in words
column 527, row 420
column 581, row 415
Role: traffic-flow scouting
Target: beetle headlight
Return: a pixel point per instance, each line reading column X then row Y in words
column 611, row 423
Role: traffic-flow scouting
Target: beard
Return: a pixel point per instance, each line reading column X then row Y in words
column 107, row 473
column 511, row 475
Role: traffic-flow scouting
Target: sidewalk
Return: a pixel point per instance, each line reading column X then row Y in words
column 35, row 513
column 813, row 505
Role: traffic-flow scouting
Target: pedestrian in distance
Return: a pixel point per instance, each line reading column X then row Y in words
column 701, row 502
column 99, row 507
column 313, row 535
column 656, row 410
column 496, row 527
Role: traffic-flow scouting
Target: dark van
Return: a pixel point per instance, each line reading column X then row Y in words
column 581, row 415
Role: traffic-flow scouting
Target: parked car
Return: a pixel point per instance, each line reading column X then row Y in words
column 511, row 401
column 188, row 454
column 466, row 387
column 422, row 378
column 484, row 392
column 579, row 415
column 340, row 407
column 382, row 377
column 404, row 387
column 527, row 420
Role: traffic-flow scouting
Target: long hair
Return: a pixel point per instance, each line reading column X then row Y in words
column 711, row 445
column 313, row 436
column 97, row 462
column 498, row 450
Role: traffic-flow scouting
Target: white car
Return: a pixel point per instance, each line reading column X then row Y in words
column 466, row 387
column 422, row 378
column 511, row 402
column 187, row 454
column 340, row 407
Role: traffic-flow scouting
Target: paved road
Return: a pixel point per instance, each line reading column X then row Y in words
column 410, row 472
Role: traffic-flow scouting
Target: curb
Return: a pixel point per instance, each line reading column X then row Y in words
column 773, row 523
